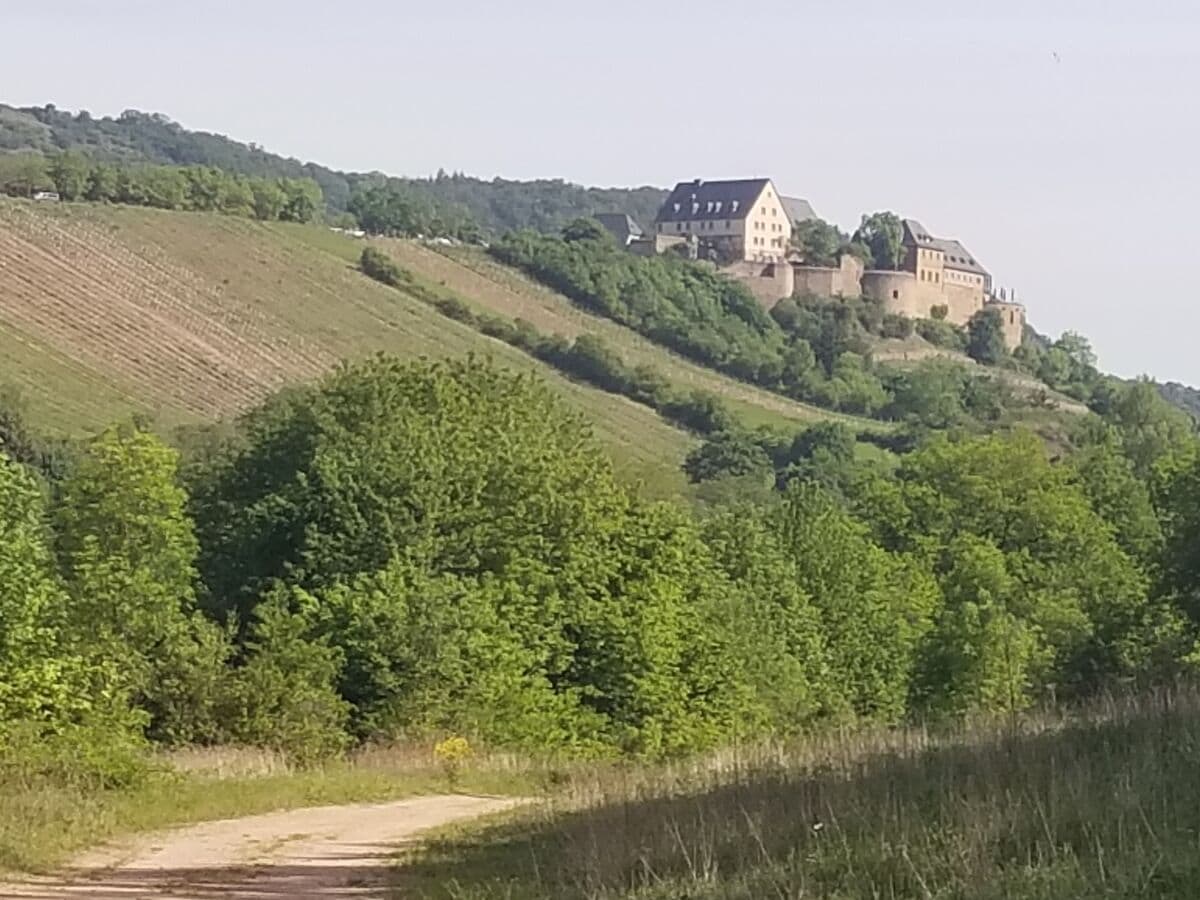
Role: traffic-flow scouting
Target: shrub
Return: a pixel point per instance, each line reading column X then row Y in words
column 897, row 326
column 942, row 334
column 451, row 754
column 378, row 265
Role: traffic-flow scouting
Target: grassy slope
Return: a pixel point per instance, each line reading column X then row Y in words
column 1081, row 807
column 105, row 311
column 902, row 354
column 496, row 288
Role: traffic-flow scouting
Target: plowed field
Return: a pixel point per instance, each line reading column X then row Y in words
column 105, row 311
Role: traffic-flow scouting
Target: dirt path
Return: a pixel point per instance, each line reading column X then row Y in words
column 324, row 852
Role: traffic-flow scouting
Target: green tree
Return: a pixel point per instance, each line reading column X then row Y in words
column 875, row 607
column 980, row 655
column 268, row 199
column 1073, row 585
column 882, row 233
column 127, row 548
column 587, row 230
column 931, row 394
column 101, row 184
column 455, row 450
column 304, row 201
column 69, row 172
column 985, row 337
column 819, row 242
column 285, row 695
column 727, row 455
column 21, row 174
column 388, row 209
column 31, row 683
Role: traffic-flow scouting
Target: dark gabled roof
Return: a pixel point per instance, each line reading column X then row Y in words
column 798, row 209
column 711, row 200
column 957, row 256
column 622, row 226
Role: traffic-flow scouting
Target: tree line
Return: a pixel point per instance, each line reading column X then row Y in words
column 410, row 549
column 74, row 177
column 135, row 138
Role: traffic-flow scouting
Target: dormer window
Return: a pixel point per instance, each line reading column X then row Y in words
column 676, row 207
column 695, row 207
column 734, row 205
column 718, row 206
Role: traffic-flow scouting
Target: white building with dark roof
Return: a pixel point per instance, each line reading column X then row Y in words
column 729, row 220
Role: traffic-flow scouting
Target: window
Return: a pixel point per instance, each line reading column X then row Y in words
column 718, row 206
column 895, row 295
column 679, row 226
column 695, row 207
column 676, row 207
column 733, row 205
column 774, row 211
column 728, row 224
column 709, row 207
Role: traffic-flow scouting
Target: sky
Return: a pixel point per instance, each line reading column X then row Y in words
column 1057, row 139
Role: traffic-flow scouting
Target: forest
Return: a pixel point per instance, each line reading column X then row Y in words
column 137, row 138
column 411, row 550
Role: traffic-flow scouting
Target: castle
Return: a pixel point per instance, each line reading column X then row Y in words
column 748, row 225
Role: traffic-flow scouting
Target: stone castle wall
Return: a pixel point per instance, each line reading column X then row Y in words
column 823, row 281
column 768, row 282
column 1012, row 315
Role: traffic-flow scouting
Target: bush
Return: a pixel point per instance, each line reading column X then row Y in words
column 378, row 265
column 453, row 308
column 897, row 326
column 942, row 334
column 727, row 455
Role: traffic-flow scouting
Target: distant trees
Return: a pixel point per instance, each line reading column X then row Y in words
column 193, row 188
column 1067, row 365
column 495, row 205
column 21, row 174
column 819, row 242
column 394, row 209
column 985, row 337
column 882, row 234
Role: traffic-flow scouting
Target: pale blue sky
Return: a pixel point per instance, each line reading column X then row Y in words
column 1057, row 139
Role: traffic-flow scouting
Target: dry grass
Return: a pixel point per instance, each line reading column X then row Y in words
column 43, row 822
column 1100, row 803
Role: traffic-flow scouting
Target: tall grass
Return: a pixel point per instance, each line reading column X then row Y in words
column 1095, row 803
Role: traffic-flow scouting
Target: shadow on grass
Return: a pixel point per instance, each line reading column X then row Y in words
column 1104, row 808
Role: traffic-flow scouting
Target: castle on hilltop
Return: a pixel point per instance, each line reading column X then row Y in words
column 747, row 226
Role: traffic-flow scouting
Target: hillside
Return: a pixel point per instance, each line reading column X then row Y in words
column 496, row 288
column 496, row 205
column 105, row 311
